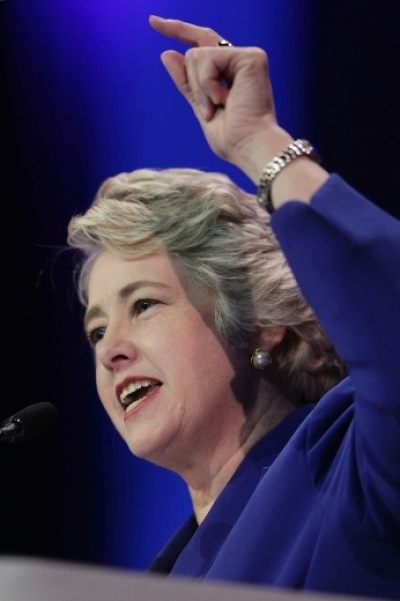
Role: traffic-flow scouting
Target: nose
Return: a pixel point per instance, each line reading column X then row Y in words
column 116, row 350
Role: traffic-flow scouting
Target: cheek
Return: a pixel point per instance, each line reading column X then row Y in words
column 202, row 359
column 104, row 387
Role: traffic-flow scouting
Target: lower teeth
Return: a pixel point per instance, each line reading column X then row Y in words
column 134, row 404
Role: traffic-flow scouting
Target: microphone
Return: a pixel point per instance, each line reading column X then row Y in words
column 28, row 422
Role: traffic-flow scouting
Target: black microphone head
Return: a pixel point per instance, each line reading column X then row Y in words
column 32, row 420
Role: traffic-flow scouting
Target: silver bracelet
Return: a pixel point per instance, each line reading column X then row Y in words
column 295, row 150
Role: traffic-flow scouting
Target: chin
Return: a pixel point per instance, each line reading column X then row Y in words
column 146, row 448
column 160, row 455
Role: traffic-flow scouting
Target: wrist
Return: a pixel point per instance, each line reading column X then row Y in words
column 295, row 151
column 254, row 153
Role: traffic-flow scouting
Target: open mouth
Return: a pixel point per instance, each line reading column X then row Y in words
column 136, row 392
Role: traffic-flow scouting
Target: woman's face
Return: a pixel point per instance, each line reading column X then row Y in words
column 172, row 389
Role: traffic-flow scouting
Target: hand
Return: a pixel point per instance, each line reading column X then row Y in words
column 230, row 92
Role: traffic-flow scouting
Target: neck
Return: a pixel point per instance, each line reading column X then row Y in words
column 205, row 483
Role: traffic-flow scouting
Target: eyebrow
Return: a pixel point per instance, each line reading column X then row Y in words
column 123, row 294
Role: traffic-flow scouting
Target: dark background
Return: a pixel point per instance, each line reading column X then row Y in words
column 83, row 96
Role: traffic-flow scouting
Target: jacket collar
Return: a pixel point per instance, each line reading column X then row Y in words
column 191, row 551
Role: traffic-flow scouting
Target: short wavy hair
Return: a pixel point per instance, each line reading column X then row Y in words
column 219, row 236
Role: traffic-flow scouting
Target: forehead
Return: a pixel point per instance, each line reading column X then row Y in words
column 115, row 278
column 111, row 272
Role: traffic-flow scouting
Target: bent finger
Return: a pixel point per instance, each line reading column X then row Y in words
column 174, row 63
column 208, row 89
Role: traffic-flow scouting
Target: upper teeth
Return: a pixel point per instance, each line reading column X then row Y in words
column 132, row 387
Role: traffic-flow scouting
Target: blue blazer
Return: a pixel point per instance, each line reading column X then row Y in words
column 316, row 504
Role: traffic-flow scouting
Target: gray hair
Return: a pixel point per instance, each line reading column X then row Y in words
column 218, row 236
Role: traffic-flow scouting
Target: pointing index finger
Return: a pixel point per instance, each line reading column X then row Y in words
column 185, row 32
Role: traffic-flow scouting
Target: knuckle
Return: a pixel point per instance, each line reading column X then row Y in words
column 257, row 59
column 190, row 53
column 260, row 56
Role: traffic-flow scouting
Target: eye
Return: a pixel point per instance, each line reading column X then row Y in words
column 95, row 335
column 144, row 304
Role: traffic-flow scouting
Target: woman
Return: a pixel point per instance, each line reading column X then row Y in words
column 209, row 361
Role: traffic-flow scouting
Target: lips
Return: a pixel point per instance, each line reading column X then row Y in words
column 133, row 391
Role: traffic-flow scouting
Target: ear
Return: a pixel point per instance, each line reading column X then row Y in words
column 268, row 338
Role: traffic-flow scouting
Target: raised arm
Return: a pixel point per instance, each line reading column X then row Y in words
column 344, row 251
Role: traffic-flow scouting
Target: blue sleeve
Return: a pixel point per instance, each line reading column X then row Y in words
column 345, row 254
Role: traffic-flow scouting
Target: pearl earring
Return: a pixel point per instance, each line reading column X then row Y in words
column 261, row 358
